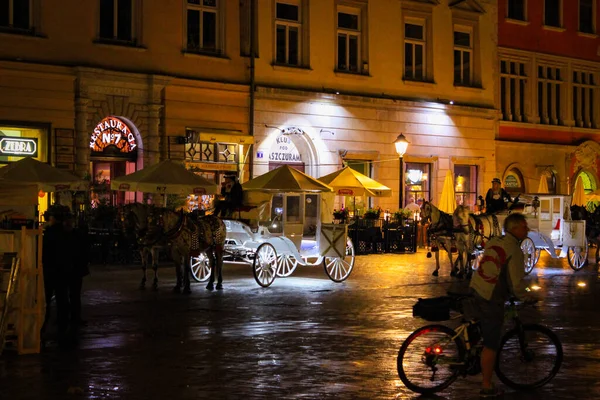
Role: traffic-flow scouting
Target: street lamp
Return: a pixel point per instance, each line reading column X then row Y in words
column 401, row 145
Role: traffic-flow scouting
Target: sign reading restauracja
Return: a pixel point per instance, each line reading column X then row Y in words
column 113, row 131
column 18, row 146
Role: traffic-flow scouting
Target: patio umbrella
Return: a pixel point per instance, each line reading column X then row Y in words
column 29, row 171
column 594, row 196
column 349, row 182
column 287, row 180
column 12, row 195
column 543, row 186
column 166, row 177
column 448, row 199
column 578, row 194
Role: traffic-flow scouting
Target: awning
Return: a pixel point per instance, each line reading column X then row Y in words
column 223, row 137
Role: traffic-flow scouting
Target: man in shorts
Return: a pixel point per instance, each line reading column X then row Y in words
column 499, row 277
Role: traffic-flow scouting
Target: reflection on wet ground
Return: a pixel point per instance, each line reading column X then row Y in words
column 305, row 337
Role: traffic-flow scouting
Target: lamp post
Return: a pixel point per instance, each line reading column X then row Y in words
column 401, row 145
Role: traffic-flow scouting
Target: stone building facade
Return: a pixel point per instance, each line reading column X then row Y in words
column 334, row 82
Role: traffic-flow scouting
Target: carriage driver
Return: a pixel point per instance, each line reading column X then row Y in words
column 494, row 199
column 499, row 276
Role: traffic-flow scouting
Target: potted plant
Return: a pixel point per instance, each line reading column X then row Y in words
column 341, row 215
column 401, row 216
column 372, row 213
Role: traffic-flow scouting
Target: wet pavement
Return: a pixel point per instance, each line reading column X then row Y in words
column 305, row 337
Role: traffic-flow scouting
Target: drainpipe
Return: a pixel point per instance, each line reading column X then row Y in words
column 252, row 87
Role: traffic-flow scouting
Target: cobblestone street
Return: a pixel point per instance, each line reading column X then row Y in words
column 305, row 337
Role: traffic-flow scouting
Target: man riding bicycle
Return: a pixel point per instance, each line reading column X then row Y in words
column 499, row 277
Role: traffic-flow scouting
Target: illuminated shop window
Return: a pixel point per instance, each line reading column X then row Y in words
column 203, row 26
column 465, row 185
column 18, row 142
column 417, row 178
column 362, row 203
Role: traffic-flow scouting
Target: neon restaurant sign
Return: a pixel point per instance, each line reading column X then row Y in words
column 18, row 146
column 112, row 131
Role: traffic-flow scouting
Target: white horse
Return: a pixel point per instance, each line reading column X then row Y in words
column 471, row 233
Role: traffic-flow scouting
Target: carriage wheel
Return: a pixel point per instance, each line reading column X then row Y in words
column 264, row 266
column 200, row 267
column 339, row 269
column 530, row 253
column 286, row 265
column 578, row 256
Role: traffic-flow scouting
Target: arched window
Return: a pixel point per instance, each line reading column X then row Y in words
column 589, row 183
column 513, row 181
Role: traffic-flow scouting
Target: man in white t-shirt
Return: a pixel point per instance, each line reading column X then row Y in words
column 412, row 206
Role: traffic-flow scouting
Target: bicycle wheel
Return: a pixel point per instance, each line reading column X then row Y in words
column 533, row 367
column 429, row 360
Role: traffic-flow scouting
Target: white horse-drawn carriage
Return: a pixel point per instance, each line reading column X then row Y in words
column 553, row 230
column 279, row 232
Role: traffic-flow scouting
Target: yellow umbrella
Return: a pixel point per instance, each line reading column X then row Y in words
column 448, row 200
column 543, row 186
column 286, row 179
column 349, row 182
column 578, row 194
column 594, row 196
column 164, row 177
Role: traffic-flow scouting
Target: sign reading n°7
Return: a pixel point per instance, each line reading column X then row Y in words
column 11, row 146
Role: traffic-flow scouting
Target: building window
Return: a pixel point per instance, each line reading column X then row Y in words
column 516, row 9
column 358, row 203
column 202, row 27
column 288, row 33
column 16, row 15
column 513, row 94
column 550, row 95
column 416, row 181
column 465, row 185
column 552, row 13
column 414, row 51
column 116, row 20
column 585, row 89
column 349, row 39
column 463, row 57
column 586, row 16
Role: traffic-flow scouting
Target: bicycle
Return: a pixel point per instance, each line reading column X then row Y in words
column 433, row 356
